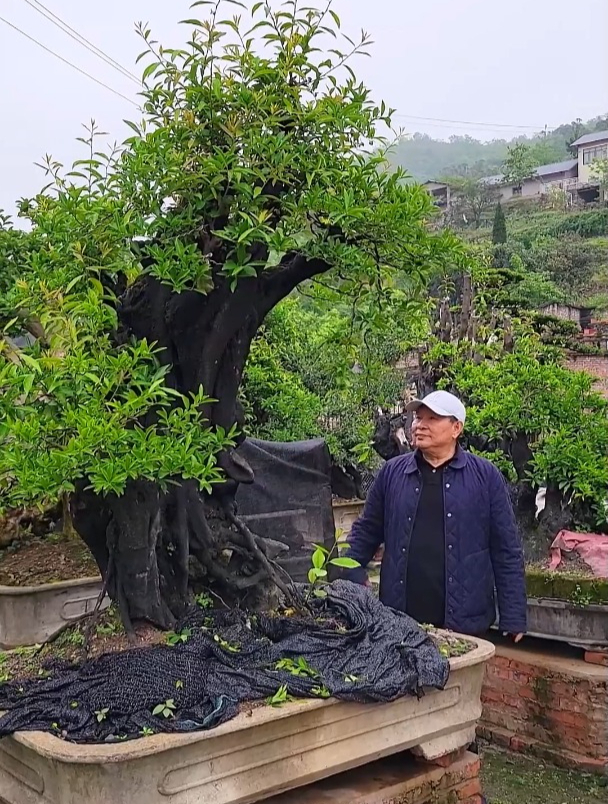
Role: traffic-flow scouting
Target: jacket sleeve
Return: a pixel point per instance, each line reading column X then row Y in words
column 367, row 533
column 507, row 559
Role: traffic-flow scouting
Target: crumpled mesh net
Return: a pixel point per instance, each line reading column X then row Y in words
column 290, row 497
column 361, row 650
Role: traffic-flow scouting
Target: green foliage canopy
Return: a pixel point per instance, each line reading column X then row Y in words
column 268, row 155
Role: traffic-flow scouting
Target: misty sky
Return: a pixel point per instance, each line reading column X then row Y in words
column 521, row 62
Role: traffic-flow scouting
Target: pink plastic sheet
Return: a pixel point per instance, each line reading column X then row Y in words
column 592, row 548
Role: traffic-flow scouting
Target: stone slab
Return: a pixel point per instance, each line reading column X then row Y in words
column 396, row 779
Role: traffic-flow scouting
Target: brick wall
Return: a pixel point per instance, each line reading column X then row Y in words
column 596, row 365
column 551, row 706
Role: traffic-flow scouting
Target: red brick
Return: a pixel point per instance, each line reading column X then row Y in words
column 473, row 769
column 593, row 657
column 472, row 788
column 557, row 706
column 567, row 718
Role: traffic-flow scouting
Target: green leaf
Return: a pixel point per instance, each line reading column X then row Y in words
column 345, row 562
column 29, row 360
column 318, row 559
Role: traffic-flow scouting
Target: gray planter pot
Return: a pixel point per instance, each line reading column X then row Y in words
column 32, row 614
column 582, row 626
column 250, row 758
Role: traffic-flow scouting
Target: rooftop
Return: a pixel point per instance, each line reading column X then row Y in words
column 497, row 179
column 556, row 167
column 586, row 139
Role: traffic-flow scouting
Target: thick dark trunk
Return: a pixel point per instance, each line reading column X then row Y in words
column 144, row 540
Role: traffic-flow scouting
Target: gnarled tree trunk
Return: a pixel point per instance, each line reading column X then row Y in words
column 145, row 541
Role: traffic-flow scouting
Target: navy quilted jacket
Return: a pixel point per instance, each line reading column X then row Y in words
column 484, row 555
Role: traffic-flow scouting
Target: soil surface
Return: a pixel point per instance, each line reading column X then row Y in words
column 43, row 560
column 571, row 563
column 515, row 779
column 87, row 640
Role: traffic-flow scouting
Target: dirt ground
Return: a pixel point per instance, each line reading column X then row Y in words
column 514, row 779
column 44, row 560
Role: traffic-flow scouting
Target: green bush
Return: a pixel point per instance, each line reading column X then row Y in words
column 590, row 223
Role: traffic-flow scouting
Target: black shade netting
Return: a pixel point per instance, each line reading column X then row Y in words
column 353, row 648
column 290, row 497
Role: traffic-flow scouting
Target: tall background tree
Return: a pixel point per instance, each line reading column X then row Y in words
column 499, row 228
column 255, row 169
column 519, row 165
column 472, row 199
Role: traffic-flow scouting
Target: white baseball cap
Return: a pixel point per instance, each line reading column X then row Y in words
column 442, row 403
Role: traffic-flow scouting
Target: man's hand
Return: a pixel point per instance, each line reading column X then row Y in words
column 515, row 637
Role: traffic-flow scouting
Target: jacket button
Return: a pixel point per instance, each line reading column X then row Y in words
column 449, row 516
column 449, row 546
column 451, row 611
column 403, row 549
column 417, row 490
column 447, row 485
column 401, row 582
column 450, row 579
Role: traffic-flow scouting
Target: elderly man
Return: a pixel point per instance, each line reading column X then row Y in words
column 448, row 528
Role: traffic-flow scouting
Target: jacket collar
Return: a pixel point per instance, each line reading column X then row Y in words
column 459, row 461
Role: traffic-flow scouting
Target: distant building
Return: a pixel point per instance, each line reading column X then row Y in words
column 569, row 312
column 440, row 192
column 573, row 176
column 557, row 174
column 589, row 148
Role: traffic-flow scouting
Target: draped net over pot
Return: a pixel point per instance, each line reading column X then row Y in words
column 355, row 648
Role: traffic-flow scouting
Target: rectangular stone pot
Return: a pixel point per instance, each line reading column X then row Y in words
column 346, row 514
column 32, row 614
column 256, row 755
column 584, row 626
column 563, row 621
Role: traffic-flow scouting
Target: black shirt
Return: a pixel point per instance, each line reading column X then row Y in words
column 425, row 582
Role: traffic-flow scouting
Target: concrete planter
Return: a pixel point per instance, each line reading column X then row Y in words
column 582, row 626
column 346, row 514
column 32, row 614
column 250, row 758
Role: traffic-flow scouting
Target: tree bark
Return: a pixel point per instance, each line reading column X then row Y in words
column 144, row 541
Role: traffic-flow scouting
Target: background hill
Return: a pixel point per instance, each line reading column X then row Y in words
column 427, row 158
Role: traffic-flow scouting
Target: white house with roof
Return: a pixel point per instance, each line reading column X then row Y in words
column 589, row 148
column 557, row 174
column 574, row 176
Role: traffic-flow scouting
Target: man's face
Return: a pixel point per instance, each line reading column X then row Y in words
column 430, row 431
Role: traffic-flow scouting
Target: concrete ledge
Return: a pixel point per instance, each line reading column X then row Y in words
column 566, row 622
column 256, row 755
column 396, row 780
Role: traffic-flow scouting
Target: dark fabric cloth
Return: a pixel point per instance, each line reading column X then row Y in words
column 425, row 575
column 290, row 497
column 355, row 649
column 483, row 547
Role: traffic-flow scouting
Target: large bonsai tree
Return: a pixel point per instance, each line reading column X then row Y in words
column 255, row 168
